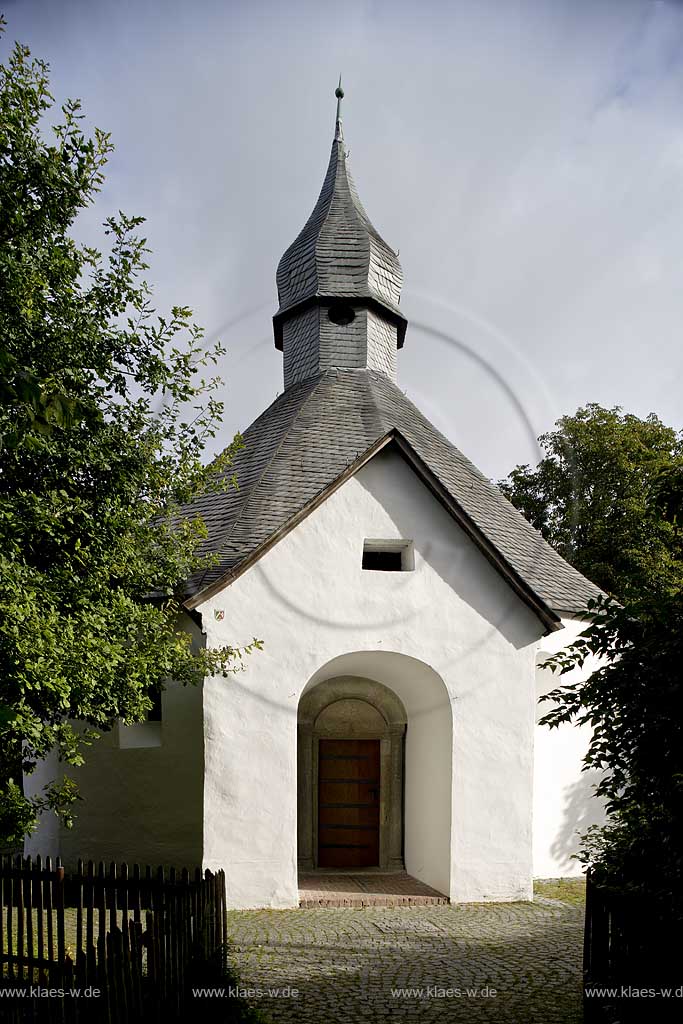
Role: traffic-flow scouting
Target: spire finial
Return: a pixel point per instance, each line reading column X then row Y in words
column 339, row 93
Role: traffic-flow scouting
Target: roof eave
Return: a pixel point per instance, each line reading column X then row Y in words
column 541, row 609
column 237, row 570
column 544, row 612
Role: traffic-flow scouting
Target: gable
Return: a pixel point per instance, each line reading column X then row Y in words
column 319, row 433
column 391, row 500
column 314, row 573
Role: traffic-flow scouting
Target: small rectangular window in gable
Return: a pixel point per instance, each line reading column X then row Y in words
column 388, row 555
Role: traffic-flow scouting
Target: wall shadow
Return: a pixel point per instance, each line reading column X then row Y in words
column 581, row 810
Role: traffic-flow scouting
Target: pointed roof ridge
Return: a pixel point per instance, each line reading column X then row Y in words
column 339, row 253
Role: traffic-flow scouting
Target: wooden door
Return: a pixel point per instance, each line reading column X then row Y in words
column 348, row 803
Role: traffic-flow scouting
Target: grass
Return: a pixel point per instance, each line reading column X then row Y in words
column 70, row 929
column 566, row 890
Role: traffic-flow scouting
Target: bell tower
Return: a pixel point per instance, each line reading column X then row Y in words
column 339, row 284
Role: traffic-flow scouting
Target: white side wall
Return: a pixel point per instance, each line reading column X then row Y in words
column 141, row 789
column 428, row 784
column 564, row 804
column 45, row 839
column 311, row 602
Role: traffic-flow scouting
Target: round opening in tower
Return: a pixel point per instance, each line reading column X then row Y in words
column 341, row 313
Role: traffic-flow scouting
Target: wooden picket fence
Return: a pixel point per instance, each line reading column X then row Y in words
column 139, row 937
column 631, row 943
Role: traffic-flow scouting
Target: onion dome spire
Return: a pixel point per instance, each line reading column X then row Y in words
column 339, row 93
column 340, row 267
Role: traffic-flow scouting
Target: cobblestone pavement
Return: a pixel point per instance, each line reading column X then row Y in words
column 345, row 963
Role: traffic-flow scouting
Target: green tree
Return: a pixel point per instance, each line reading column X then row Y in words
column 633, row 703
column 609, row 495
column 591, row 497
column 98, row 455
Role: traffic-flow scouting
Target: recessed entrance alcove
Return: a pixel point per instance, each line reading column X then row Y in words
column 350, row 760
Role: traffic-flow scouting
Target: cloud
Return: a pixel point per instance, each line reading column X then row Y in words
column 526, row 157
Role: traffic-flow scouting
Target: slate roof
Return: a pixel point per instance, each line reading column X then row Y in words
column 338, row 252
column 321, row 428
column 312, row 433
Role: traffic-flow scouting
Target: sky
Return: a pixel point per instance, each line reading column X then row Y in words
column 525, row 157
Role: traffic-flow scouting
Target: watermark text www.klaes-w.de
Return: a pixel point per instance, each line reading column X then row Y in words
column 42, row 992
column 442, row 992
column 632, row 992
column 243, row 992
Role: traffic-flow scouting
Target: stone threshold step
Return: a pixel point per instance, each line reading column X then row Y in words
column 368, row 900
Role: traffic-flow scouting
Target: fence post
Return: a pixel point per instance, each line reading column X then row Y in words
column 78, row 897
column 224, row 901
column 20, row 918
column 2, row 906
column 59, row 906
column 39, row 915
column 587, row 922
column 27, row 882
column 10, row 916
column 47, row 890
column 90, row 952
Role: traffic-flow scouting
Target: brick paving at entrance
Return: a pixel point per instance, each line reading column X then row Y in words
column 366, row 889
column 344, row 963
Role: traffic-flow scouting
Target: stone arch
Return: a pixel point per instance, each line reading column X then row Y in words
column 423, row 700
column 344, row 687
column 352, row 707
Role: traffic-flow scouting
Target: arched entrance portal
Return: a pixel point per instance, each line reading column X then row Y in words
column 350, row 757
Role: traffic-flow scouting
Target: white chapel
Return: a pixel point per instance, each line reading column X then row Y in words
column 406, row 609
